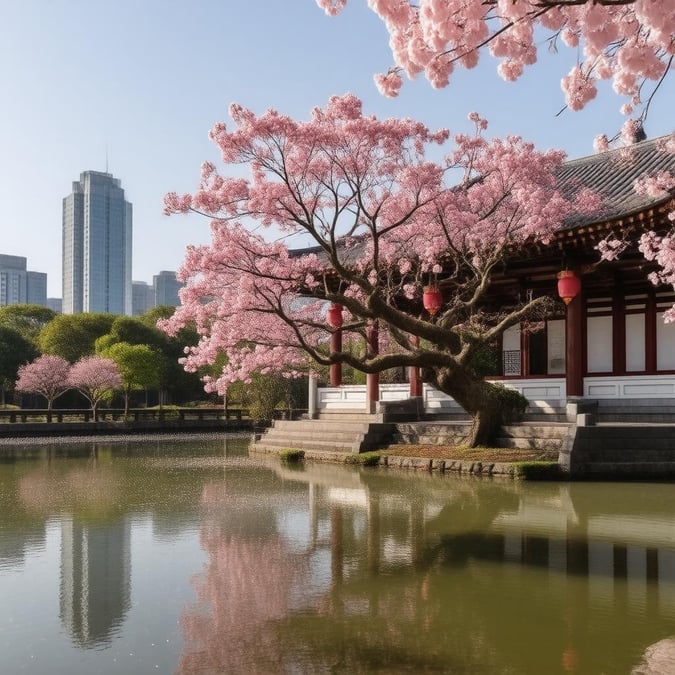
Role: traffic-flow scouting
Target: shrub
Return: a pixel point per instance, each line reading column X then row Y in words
column 371, row 458
column 538, row 471
column 170, row 412
column 291, row 455
column 513, row 404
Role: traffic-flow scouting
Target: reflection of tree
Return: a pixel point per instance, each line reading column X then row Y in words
column 87, row 491
column 245, row 590
column 476, row 584
column 20, row 529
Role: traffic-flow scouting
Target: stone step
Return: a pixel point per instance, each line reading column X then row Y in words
column 302, row 444
column 631, row 469
column 545, row 417
column 637, row 417
column 289, row 435
column 631, row 451
column 346, row 415
column 558, row 430
column 532, row 443
column 329, row 426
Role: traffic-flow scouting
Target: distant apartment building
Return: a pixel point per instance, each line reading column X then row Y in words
column 166, row 288
column 97, row 238
column 36, row 288
column 142, row 297
column 55, row 304
column 19, row 285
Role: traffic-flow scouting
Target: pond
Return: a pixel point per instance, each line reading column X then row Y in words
column 190, row 556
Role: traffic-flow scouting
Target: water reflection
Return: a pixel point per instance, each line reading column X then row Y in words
column 330, row 569
column 95, row 580
column 379, row 572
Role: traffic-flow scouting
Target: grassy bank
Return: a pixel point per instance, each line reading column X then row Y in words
column 480, row 454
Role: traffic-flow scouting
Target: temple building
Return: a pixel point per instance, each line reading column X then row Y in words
column 608, row 339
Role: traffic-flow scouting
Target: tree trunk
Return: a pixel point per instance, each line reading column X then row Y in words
column 478, row 398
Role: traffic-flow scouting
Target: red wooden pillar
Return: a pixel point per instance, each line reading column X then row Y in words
column 414, row 373
column 574, row 334
column 334, row 316
column 372, row 379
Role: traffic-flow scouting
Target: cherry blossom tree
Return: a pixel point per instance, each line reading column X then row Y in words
column 47, row 375
column 383, row 221
column 656, row 246
column 627, row 41
column 95, row 377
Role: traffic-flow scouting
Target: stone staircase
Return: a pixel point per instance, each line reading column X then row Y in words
column 660, row 411
column 631, row 448
column 333, row 433
column 624, row 451
column 356, row 433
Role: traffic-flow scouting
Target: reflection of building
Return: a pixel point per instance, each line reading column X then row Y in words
column 95, row 579
column 97, row 246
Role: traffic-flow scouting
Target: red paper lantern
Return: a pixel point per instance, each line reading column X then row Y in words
column 569, row 286
column 334, row 315
column 432, row 299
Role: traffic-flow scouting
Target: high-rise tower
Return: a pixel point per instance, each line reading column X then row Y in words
column 97, row 230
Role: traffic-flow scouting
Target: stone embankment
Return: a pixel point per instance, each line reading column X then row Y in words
column 585, row 450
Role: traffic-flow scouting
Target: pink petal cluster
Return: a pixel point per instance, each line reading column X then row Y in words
column 628, row 43
column 381, row 217
column 47, row 375
column 94, row 376
column 655, row 247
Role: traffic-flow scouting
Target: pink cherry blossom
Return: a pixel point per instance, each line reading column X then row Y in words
column 630, row 43
column 95, row 377
column 47, row 375
column 383, row 222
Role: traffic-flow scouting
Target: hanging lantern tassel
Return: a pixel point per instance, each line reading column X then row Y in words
column 569, row 286
column 432, row 299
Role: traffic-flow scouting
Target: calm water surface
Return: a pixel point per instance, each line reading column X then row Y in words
column 192, row 557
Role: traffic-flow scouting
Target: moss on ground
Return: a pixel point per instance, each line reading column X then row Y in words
column 480, row 454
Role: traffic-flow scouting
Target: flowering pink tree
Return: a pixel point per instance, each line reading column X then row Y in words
column 628, row 41
column 656, row 246
column 384, row 221
column 95, row 377
column 47, row 375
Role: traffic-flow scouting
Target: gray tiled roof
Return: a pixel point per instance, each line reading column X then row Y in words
column 612, row 175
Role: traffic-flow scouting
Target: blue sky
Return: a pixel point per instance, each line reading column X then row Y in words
column 147, row 79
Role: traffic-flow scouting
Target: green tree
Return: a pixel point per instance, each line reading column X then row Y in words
column 28, row 320
column 73, row 336
column 179, row 385
column 139, row 366
column 266, row 393
column 15, row 350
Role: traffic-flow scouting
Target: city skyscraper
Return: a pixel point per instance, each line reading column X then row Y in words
column 143, row 297
column 97, row 236
column 18, row 285
column 166, row 288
